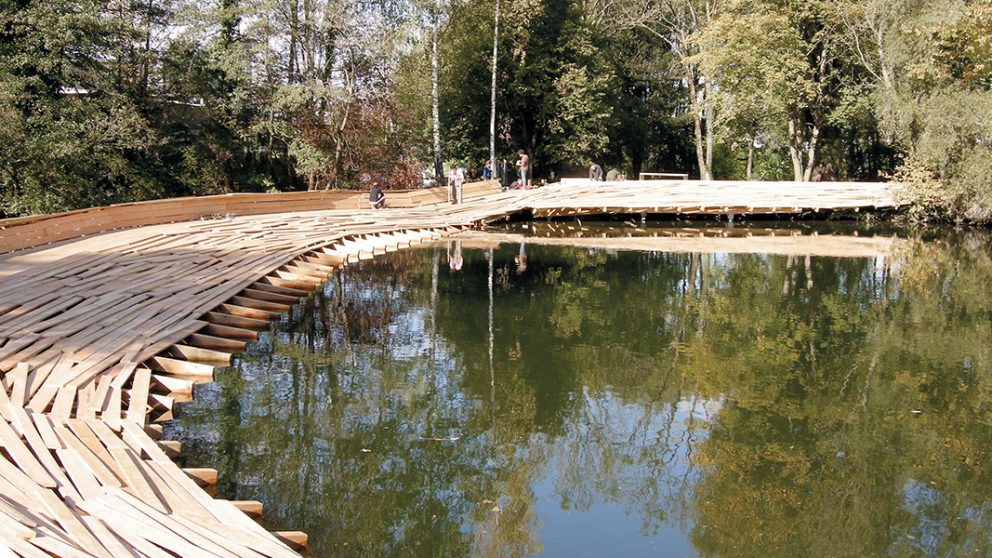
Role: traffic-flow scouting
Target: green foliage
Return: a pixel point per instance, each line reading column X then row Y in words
column 936, row 105
column 581, row 113
column 109, row 102
column 70, row 131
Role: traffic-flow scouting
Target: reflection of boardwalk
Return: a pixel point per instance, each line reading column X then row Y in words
column 752, row 241
column 101, row 335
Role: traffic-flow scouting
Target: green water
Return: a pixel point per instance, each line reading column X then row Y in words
column 597, row 403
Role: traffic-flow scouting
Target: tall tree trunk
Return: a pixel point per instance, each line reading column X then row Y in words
column 148, row 47
column 811, row 153
column 492, row 114
column 709, row 113
column 750, row 158
column 294, row 25
column 795, row 150
column 802, row 151
column 697, row 126
column 435, row 110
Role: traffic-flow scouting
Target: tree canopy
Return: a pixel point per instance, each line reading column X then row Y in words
column 106, row 101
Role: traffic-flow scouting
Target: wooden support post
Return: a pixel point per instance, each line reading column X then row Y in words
column 297, row 540
column 202, row 476
column 251, row 508
column 170, row 447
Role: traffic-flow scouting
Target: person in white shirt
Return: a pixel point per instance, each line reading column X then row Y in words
column 455, row 180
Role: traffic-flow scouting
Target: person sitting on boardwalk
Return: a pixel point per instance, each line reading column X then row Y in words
column 596, row 173
column 377, row 199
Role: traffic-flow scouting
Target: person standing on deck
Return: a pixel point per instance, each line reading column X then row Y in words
column 505, row 175
column 487, row 171
column 455, row 179
column 523, row 163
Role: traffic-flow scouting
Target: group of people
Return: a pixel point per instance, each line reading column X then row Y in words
column 596, row 174
column 456, row 179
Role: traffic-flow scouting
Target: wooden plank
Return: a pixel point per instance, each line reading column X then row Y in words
column 285, row 291
column 297, row 540
column 20, row 380
column 252, row 508
column 181, row 367
column 230, row 515
column 274, row 307
column 278, row 280
column 203, row 476
column 25, row 460
column 248, row 312
column 62, row 408
column 166, row 384
column 199, row 354
column 138, row 398
column 240, row 322
column 45, row 430
column 113, row 544
column 104, row 471
column 217, row 343
column 136, row 482
column 79, row 473
column 269, row 297
column 228, row 332
column 36, row 441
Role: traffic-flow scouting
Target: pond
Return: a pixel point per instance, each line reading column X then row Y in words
column 511, row 399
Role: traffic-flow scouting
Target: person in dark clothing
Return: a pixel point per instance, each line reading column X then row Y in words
column 377, row 199
column 508, row 175
column 595, row 173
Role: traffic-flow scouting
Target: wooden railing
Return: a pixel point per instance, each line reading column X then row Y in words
column 26, row 232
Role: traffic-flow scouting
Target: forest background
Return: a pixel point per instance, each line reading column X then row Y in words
column 124, row 100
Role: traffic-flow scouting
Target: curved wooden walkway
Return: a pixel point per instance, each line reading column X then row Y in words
column 101, row 335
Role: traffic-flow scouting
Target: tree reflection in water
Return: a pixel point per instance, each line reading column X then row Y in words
column 730, row 405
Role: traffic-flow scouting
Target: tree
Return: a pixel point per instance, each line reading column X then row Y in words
column 70, row 123
column 675, row 22
column 780, row 66
column 932, row 64
column 435, row 14
column 492, row 117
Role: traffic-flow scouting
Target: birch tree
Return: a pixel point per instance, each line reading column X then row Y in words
column 492, row 113
column 435, row 101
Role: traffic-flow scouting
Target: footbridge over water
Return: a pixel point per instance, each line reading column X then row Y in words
column 110, row 316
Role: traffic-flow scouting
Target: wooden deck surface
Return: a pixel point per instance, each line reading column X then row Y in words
column 101, row 335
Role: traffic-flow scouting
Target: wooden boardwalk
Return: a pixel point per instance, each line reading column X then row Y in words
column 101, row 335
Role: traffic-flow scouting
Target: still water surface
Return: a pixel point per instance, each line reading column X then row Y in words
column 588, row 402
